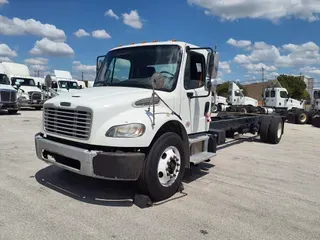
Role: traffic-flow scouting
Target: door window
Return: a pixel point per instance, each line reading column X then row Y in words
column 195, row 71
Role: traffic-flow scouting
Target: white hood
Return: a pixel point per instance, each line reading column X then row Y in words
column 27, row 89
column 6, row 87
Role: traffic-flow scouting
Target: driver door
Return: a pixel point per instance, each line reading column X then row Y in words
column 194, row 82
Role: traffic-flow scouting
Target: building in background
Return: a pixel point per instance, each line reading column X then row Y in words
column 255, row 90
column 310, row 84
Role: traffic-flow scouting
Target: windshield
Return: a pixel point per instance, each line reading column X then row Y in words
column 133, row 67
column 316, row 94
column 70, row 84
column 4, row 79
column 23, row 81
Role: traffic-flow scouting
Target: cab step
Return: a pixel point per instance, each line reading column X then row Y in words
column 201, row 157
column 197, row 138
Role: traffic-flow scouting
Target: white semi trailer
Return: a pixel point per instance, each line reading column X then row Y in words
column 151, row 125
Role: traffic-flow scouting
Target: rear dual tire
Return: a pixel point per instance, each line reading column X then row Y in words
column 271, row 129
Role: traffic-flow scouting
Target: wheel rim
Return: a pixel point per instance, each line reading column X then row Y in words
column 279, row 132
column 303, row 117
column 214, row 109
column 169, row 166
column 243, row 110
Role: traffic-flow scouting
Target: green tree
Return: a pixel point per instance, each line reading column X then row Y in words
column 295, row 85
column 222, row 89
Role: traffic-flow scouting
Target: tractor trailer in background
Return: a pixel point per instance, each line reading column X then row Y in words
column 61, row 82
column 307, row 116
column 149, row 127
column 28, row 93
column 8, row 95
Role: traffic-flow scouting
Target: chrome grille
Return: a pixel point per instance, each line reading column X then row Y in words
column 34, row 96
column 8, row 96
column 67, row 122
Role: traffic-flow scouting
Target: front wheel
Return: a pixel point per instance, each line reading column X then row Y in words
column 37, row 108
column 12, row 111
column 214, row 108
column 164, row 167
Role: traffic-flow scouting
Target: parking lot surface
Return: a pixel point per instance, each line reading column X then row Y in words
column 250, row 190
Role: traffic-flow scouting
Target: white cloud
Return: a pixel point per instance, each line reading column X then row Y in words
column 40, row 68
column 311, row 70
column 78, row 66
column 132, row 19
column 36, row 61
column 287, row 56
column 101, row 34
column 110, row 13
column 6, row 51
column 5, row 59
column 272, row 10
column 225, row 66
column 240, row 43
column 17, row 26
column 3, row 2
column 47, row 47
column 81, row 33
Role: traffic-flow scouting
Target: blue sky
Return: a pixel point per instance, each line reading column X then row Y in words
column 278, row 36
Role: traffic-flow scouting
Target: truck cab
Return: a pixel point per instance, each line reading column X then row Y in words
column 29, row 95
column 8, row 95
column 237, row 98
column 315, row 99
column 63, row 82
column 279, row 98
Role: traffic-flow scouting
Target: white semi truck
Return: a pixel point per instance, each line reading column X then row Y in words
column 8, row 95
column 307, row 116
column 29, row 95
column 237, row 102
column 147, row 118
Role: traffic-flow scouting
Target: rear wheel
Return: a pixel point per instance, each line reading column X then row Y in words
column 243, row 110
column 316, row 121
column 275, row 130
column 301, row 117
column 12, row 111
column 164, row 167
column 37, row 108
column 264, row 128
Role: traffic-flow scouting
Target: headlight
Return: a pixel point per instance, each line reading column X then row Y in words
column 126, row 131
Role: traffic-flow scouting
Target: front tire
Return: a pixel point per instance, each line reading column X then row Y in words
column 12, row 112
column 164, row 167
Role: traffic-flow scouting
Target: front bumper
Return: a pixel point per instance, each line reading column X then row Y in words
column 30, row 103
column 9, row 106
column 97, row 164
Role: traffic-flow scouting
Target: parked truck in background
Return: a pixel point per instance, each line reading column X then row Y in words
column 237, row 102
column 307, row 116
column 28, row 94
column 147, row 118
column 278, row 99
column 8, row 95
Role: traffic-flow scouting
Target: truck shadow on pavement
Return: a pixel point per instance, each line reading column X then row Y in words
column 86, row 189
column 102, row 192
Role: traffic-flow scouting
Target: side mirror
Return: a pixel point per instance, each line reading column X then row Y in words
column 208, row 85
column 67, row 87
column 213, row 65
column 80, row 87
